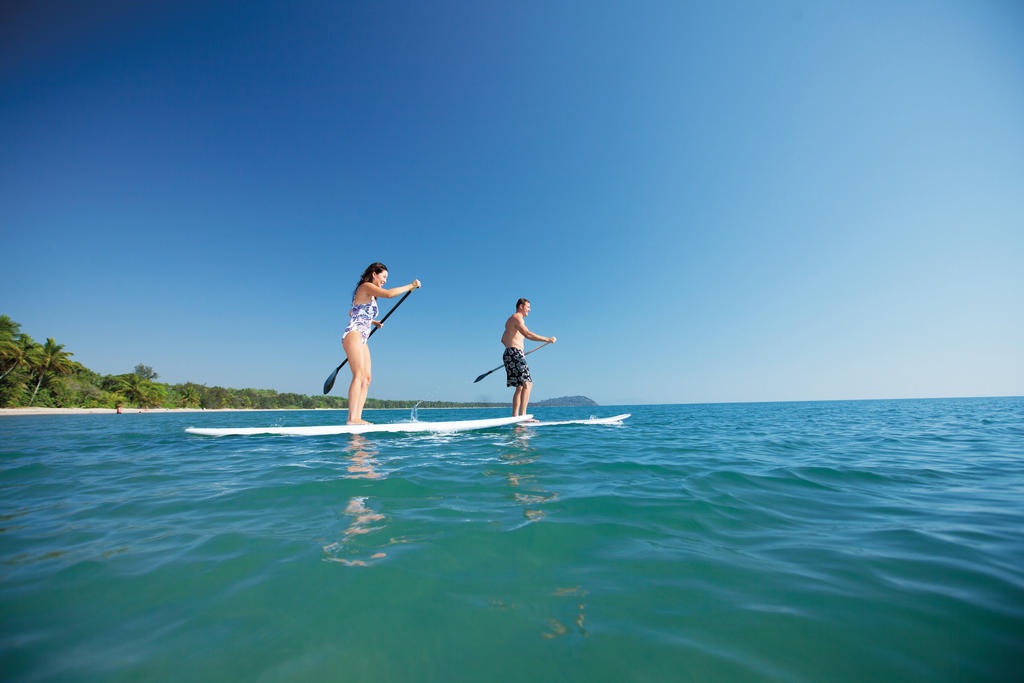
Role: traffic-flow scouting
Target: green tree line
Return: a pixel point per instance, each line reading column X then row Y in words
column 34, row 374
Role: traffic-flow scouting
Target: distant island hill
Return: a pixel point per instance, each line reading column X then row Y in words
column 45, row 376
column 564, row 402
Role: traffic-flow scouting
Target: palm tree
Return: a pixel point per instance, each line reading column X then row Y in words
column 49, row 361
column 17, row 352
column 189, row 396
column 8, row 328
column 139, row 390
column 134, row 391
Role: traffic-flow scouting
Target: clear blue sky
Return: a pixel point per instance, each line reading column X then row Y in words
column 736, row 201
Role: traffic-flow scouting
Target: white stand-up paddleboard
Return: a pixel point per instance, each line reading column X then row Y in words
column 592, row 421
column 323, row 430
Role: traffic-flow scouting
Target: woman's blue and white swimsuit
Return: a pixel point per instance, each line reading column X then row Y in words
column 360, row 319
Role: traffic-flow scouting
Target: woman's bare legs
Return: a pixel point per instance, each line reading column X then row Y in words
column 359, row 362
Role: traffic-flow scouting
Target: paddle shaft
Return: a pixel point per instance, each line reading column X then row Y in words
column 329, row 384
column 501, row 366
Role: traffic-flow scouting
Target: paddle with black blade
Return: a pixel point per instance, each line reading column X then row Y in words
column 330, row 380
column 501, row 366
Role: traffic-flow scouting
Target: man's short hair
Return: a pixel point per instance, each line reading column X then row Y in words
column 521, row 302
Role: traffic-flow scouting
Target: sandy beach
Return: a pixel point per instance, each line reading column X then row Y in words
column 135, row 411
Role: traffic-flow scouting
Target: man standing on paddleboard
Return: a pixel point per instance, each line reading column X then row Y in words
column 516, row 370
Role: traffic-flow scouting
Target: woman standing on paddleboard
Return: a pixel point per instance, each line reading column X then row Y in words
column 361, row 321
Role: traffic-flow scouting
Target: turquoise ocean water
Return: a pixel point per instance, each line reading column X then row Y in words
column 874, row 540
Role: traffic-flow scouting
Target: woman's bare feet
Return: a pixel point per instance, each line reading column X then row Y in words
column 358, row 422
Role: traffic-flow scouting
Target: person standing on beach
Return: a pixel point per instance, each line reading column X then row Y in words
column 516, row 370
column 360, row 322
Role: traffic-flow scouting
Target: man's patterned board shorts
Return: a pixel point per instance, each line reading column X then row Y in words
column 516, row 371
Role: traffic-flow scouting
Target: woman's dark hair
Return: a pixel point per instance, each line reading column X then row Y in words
column 370, row 271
